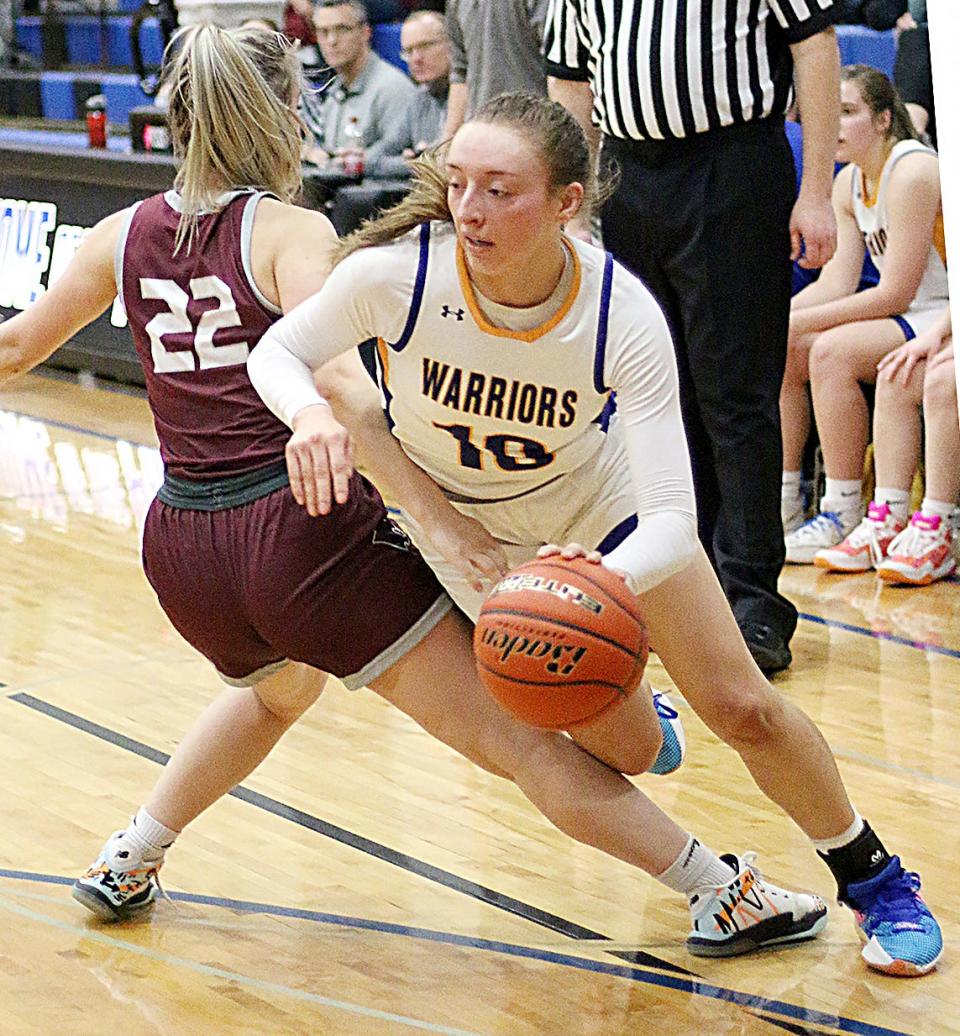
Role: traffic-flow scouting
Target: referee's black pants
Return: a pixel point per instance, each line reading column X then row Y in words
column 705, row 223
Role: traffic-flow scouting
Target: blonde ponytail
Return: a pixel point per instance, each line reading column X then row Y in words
column 231, row 121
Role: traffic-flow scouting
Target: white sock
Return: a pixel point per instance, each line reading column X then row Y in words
column 843, row 497
column 695, row 868
column 824, row 845
column 148, row 836
column 790, row 486
column 898, row 500
column 937, row 507
column 791, row 496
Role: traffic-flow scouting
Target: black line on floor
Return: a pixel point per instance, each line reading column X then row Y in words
column 543, row 918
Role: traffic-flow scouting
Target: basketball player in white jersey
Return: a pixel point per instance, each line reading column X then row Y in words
column 500, row 340
column 887, row 199
column 276, row 597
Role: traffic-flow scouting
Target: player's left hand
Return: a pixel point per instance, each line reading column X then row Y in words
column 574, row 550
column 319, row 460
column 813, row 231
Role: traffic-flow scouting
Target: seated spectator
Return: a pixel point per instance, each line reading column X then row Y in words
column 425, row 48
column 365, row 87
column 888, row 197
column 495, row 47
column 918, row 550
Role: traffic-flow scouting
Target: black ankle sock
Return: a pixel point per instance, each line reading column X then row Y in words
column 859, row 860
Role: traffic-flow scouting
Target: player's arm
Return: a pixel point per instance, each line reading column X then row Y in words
column 463, row 542
column 913, row 202
column 291, row 255
column 84, row 290
column 640, row 366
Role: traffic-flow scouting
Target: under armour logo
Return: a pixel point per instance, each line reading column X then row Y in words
column 877, row 856
column 448, row 312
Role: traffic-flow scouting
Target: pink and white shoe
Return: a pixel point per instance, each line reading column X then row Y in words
column 866, row 546
column 921, row 554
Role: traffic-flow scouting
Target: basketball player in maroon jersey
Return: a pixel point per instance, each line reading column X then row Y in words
column 275, row 595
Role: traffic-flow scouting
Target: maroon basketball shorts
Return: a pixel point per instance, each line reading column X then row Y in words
column 254, row 586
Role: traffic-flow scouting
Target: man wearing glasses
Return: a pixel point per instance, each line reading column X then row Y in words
column 426, row 49
column 365, row 86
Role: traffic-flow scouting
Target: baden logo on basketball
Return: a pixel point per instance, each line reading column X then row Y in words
column 559, row 641
column 560, row 659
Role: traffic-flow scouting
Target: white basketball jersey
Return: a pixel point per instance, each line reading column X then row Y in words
column 873, row 220
column 490, row 413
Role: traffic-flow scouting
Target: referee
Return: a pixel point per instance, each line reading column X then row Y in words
column 689, row 99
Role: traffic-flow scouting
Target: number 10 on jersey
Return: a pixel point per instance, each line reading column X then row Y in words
column 511, row 452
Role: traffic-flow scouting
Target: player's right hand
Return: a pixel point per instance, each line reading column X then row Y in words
column 466, row 544
column 319, row 460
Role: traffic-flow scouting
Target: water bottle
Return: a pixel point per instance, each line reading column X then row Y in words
column 96, row 107
column 354, row 160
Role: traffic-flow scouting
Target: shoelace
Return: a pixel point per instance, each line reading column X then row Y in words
column 899, row 900
column 825, row 521
column 868, row 532
column 915, row 541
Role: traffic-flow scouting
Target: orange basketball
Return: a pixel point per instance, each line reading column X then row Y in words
column 558, row 642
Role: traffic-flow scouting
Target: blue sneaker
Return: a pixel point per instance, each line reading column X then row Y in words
column 900, row 935
column 674, row 747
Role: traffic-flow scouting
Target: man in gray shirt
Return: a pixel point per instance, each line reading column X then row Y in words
column 365, row 87
column 495, row 46
column 425, row 48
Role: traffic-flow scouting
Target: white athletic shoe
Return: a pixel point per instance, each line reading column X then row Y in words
column 866, row 546
column 118, row 886
column 821, row 531
column 921, row 554
column 748, row 912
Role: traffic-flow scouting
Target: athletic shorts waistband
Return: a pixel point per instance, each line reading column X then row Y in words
column 223, row 493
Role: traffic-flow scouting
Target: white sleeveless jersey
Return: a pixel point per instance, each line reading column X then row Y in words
column 873, row 220
column 494, row 415
column 491, row 413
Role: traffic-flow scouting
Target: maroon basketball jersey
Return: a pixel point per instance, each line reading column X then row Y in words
column 195, row 316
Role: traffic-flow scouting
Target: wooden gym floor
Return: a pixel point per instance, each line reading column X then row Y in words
column 365, row 879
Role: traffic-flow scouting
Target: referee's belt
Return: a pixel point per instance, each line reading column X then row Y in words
column 673, row 149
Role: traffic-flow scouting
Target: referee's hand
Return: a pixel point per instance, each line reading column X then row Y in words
column 813, row 231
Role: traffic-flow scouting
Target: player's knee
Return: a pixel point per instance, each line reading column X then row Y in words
column 749, row 719
column 828, row 357
column 940, row 388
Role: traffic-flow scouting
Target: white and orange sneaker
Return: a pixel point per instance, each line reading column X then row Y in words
column 866, row 546
column 921, row 554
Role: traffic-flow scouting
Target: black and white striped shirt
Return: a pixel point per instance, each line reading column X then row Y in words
column 663, row 69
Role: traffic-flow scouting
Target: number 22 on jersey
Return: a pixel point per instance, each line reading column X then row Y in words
column 200, row 352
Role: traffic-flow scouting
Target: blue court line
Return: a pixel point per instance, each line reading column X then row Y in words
column 681, row 984
column 349, row 838
column 848, row 627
